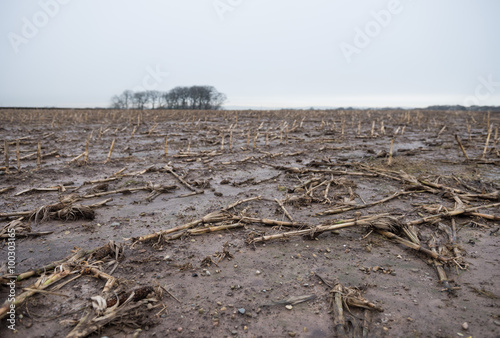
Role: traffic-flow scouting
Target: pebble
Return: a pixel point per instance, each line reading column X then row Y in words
column 292, row 334
column 465, row 326
column 258, row 272
column 289, row 307
column 179, row 329
column 242, row 311
column 234, row 332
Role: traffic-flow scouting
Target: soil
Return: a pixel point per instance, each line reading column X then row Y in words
column 240, row 295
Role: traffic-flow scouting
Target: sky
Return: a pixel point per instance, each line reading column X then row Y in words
column 260, row 53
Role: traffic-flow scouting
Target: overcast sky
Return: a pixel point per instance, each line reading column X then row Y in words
column 260, row 53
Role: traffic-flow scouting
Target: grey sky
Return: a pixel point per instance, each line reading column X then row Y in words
column 261, row 53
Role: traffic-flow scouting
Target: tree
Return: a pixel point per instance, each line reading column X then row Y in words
column 140, row 100
column 154, row 98
column 194, row 97
column 123, row 101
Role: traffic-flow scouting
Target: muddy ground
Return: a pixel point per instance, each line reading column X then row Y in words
column 228, row 283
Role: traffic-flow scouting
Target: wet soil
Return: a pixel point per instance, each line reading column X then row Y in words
column 238, row 296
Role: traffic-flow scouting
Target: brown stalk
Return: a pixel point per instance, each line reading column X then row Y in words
column 76, row 158
column 6, row 152
column 411, row 245
column 110, row 280
column 213, row 217
column 41, row 284
column 3, row 190
column 341, row 210
column 171, row 171
column 455, row 212
column 315, row 230
column 200, row 231
column 284, row 209
column 389, row 160
column 461, row 146
column 86, row 156
column 487, row 141
column 39, row 155
column 17, row 156
column 439, row 267
column 110, row 150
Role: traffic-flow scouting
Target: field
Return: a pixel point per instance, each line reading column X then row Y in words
column 250, row 223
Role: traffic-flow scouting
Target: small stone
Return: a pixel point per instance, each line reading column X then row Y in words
column 195, row 274
column 496, row 322
column 410, row 319
column 234, row 332
column 207, row 273
column 179, row 329
column 385, row 329
column 289, row 307
column 222, row 309
column 258, row 272
column 465, row 326
column 375, row 268
column 292, row 334
column 201, row 311
column 241, row 310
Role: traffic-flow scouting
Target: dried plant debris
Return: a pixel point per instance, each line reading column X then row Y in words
column 125, row 309
column 376, row 194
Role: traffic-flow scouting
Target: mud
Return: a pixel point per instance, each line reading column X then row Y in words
column 400, row 280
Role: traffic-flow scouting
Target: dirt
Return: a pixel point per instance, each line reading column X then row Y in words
column 239, row 297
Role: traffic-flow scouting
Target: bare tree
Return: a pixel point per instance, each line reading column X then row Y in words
column 154, row 98
column 194, row 97
column 140, row 100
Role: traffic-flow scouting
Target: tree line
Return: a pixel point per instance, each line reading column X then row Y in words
column 194, row 97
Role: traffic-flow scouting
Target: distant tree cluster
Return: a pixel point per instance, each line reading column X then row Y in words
column 194, row 97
